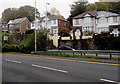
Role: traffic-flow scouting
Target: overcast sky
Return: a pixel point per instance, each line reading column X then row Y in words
column 61, row 5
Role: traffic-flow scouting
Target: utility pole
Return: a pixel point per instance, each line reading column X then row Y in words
column 35, row 29
column 46, row 13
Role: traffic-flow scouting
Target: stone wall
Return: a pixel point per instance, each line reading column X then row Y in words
column 93, row 44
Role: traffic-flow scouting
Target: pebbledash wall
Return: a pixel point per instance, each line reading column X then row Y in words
column 93, row 44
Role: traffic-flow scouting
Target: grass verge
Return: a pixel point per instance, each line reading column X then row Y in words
column 83, row 56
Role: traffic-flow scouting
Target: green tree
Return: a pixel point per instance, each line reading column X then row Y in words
column 42, row 40
column 64, row 32
column 79, row 9
column 27, row 11
column 114, row 7
column 90, row 7
column 99, row 6
column 102, row 6
column 23, row 11
column 8, row 14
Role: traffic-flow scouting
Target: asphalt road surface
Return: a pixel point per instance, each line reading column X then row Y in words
column 28, row 68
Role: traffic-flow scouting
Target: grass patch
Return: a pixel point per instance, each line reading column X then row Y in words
column 83, row 56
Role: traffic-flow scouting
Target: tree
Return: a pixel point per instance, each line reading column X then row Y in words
column 102, row 6
column 114, row 7
column 27, row 11
column 105, row 6
column 8, row 14
column 23, row 11
column 64, row 32
column 79, row 9
column 99, row 6
column 42, row 40
column 90, row 7
column 55, row 11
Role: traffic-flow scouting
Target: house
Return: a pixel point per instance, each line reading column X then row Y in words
column 19, row 25
column 52, row 22
column 37, row 24
column 97, row 22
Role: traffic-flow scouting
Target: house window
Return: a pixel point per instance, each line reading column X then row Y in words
column 33, row 25
column 114, row 19
column 102, row 20
column 55, row 31
column 87, row 20
column 27, row 27
column 11, row 25
column 54, row 21
column 77, row 22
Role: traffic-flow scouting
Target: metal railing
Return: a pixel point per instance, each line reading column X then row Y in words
column 82, row 52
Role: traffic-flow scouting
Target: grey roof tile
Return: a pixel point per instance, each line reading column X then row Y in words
column 107, row 13
column 96, row 13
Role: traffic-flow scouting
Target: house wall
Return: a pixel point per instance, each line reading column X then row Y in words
column 25, row 25
column 20, row 27
column 55, row 40
column 61, row 24
column 101, row 24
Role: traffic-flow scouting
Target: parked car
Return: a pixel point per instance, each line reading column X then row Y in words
column 65, row 48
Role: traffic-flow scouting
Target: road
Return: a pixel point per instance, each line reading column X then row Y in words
column 28, row 68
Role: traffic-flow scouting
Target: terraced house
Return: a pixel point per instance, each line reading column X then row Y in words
column 97, row 22
column 19, row 25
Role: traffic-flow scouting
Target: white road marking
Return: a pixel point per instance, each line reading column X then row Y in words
column 12, row 61
column 106, row 80
column 49, row 68
column 7, row 60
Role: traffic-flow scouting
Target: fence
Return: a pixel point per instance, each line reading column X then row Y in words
column 82, row 52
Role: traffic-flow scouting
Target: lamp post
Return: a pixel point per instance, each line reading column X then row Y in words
column 35, row 29
column 46, row 13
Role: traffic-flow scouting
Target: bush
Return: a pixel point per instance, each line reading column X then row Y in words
column 29, row 44
column 10, row 48
column 42, row 41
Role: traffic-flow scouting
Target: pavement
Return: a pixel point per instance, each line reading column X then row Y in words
column 35, row 68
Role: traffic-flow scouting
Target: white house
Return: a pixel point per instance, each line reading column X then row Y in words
column 53, row 23
column 97, row 21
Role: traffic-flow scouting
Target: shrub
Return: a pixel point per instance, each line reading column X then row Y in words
column 10, row 48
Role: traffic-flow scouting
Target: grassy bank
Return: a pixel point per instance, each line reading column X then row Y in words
column 79, row 56
column 67, row 55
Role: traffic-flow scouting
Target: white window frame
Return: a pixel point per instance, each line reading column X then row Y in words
column 115, row 20
column 87, row 19
column 76, row 21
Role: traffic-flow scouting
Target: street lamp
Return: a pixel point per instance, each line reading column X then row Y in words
column 35, row 29
column 46, row 13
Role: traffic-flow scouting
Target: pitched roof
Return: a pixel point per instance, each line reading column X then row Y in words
column 96, row 13
column 92, row 13
column 16, row 21
column 106, row 13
